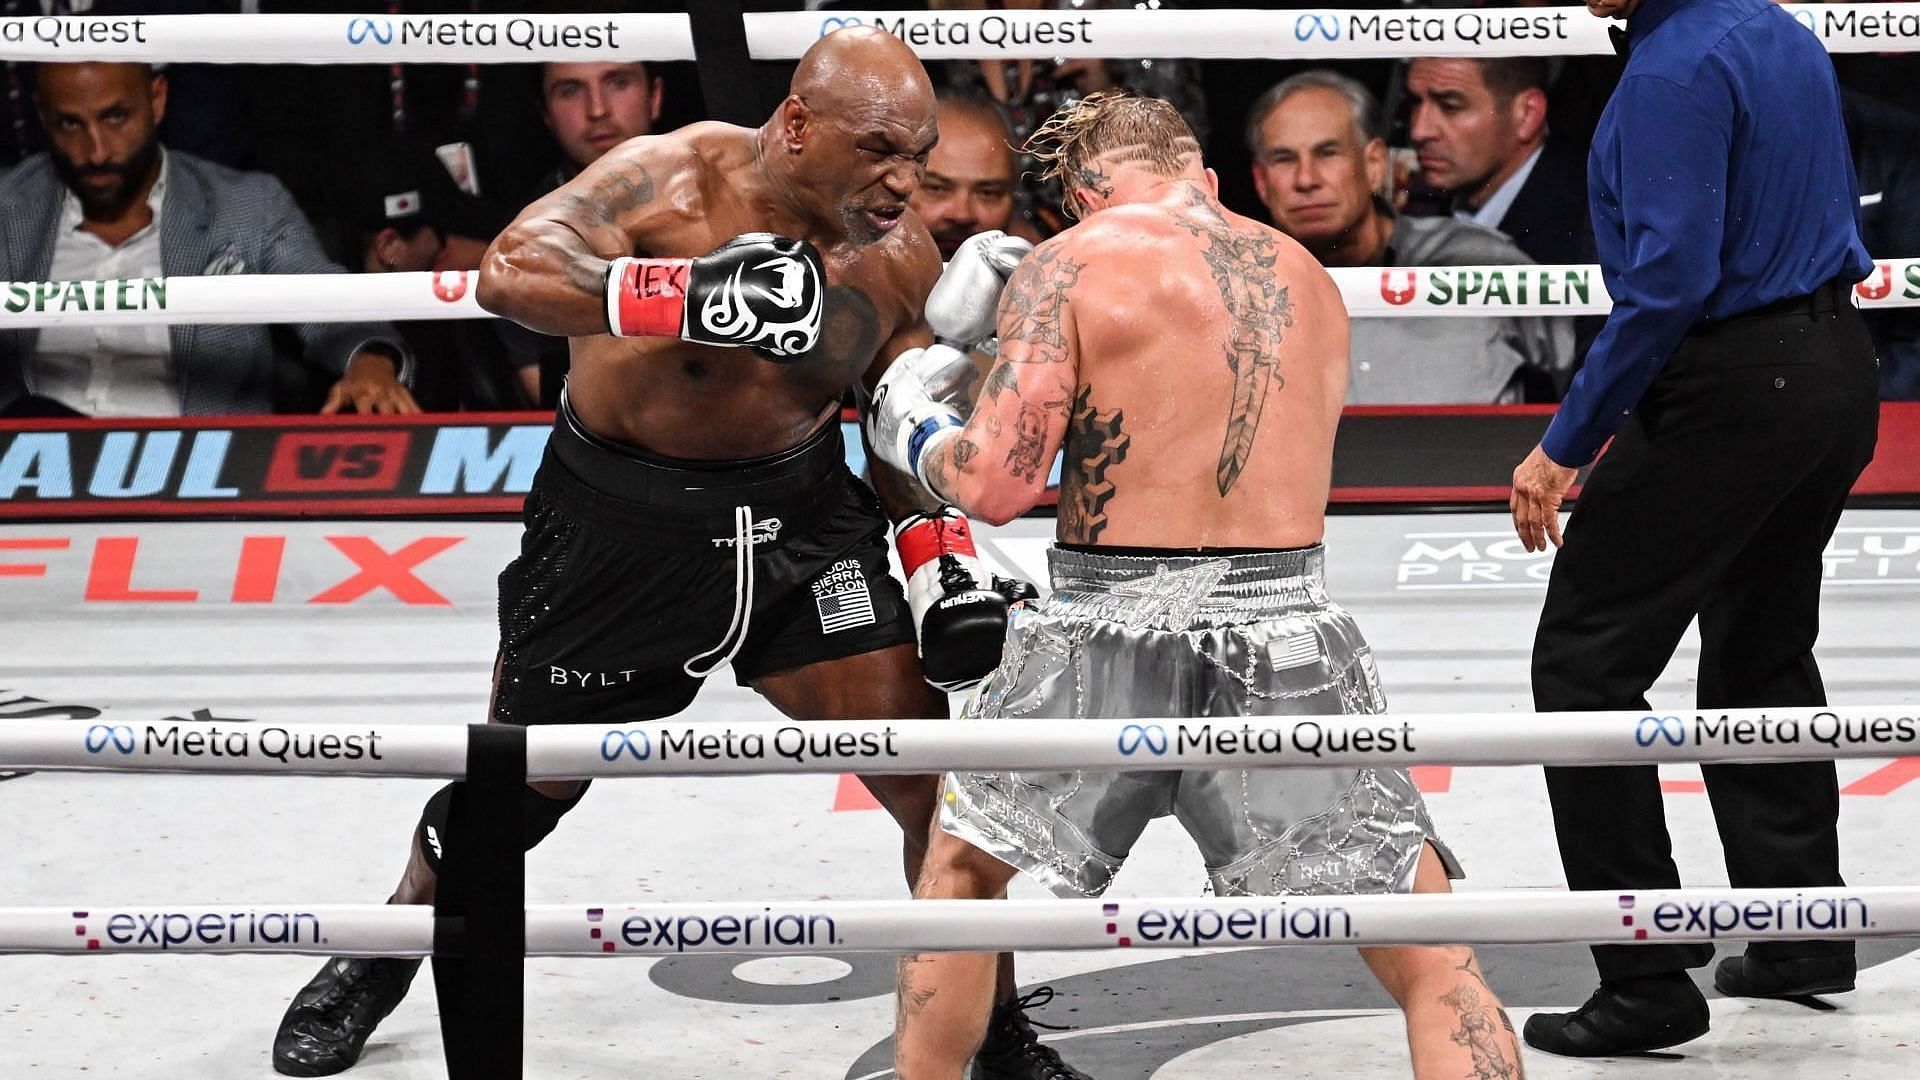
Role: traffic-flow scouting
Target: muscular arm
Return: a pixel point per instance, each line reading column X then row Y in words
column 899, row 495
column 997, row 468
column 548, row 270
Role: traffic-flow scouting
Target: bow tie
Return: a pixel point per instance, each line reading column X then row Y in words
column 1619, row 37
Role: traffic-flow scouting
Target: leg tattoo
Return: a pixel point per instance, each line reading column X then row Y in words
column 1477, row 1033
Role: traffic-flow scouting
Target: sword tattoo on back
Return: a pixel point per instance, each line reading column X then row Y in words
column 1242, row 262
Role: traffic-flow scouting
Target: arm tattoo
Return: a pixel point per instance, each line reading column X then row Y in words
column 1242, row 262
column 1002, row 377
column 1478, row 1034
column 1033, row 307
column 1095, row 443
column 1029, row 443
column 618, row 192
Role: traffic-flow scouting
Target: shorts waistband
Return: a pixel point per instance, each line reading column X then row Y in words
column 695, row 487
column 658, row 504
column 1284, row 573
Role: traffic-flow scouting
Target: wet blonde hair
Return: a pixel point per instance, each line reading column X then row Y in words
column 1114, row 124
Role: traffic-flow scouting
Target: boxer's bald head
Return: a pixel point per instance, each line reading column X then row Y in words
column 849, row 144
column 1089, row 145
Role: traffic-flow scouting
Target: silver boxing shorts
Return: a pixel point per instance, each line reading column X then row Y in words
column 1178, row 635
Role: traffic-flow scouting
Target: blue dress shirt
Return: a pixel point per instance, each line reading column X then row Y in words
column 1720, row 180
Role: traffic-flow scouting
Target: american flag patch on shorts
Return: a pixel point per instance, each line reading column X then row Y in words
column 842, row 597
column 1297, row 651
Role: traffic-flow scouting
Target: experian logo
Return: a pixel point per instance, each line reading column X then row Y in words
column 359, row 30
column 636, row 743
column 1151, row 736
column 119, row 736
column 1654, row 728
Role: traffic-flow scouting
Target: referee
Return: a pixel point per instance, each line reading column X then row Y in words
column 1739, row 386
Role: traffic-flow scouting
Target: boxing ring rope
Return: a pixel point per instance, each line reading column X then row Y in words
column 663, row 748
column 827, row 927
column 1309, row 34
column 1369, row 292
column 492, row 930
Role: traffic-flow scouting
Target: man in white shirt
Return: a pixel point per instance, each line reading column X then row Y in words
column 108, row 202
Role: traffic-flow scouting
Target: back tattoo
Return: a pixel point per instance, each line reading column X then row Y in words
column 1242, row 261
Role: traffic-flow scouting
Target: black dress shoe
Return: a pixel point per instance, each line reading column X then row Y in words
column 1632, row 1016
column 330, row 1020
column 1747, row 976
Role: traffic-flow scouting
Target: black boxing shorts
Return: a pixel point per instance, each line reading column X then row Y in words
column 639, row 575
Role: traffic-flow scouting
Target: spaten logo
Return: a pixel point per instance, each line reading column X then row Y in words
column 119, row 736
column 1654, row 728
column 1877, row 286
column 1151, row 736
column 1312, row 23
column 449, row 286
column 359, row 30
column 1394, row 293
column 636, row 743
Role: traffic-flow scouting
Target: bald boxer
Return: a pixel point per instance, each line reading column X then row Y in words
column 1187, row 573
column 722, row 288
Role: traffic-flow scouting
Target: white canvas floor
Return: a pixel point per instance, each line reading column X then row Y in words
column 1451, row 625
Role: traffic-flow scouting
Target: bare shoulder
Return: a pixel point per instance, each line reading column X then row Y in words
column 654, row 181
column 1122, row 230
column 913, row 257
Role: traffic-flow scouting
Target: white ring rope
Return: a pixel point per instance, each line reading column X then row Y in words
column 1505, row 917
column 1311, row 34
column 719, row 748
column 1370, row 292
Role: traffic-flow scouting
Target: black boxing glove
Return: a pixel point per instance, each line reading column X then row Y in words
column 959, row 610
column 757, row 291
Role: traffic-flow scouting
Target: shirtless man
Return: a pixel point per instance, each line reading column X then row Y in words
column 694, row 507
column 1155, row 340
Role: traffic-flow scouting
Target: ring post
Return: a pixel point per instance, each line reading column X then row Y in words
column 480, row 911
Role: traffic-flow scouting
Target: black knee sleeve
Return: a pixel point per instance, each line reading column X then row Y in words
column 538, row 816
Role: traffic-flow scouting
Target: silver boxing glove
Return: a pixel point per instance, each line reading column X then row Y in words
column 964, row 305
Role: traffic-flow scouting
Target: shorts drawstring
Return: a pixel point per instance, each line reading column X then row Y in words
column 736, row 635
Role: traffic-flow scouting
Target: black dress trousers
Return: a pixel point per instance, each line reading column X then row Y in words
column 1715, row 501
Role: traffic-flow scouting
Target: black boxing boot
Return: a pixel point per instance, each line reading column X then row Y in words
column 1012, row 1049
column 330, row 1020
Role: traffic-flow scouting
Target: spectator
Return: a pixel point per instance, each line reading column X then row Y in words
column 393, row 218
column 1480, row 130
column 109, row 202
column 971, row 174
column 1320, row 166
column 1031, row 90
column 207, row 119
column 589, row 108
column 313, row 125
column 1886, row 159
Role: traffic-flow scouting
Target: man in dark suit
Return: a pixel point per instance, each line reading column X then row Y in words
column 109, row 202
column 1479, row 127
